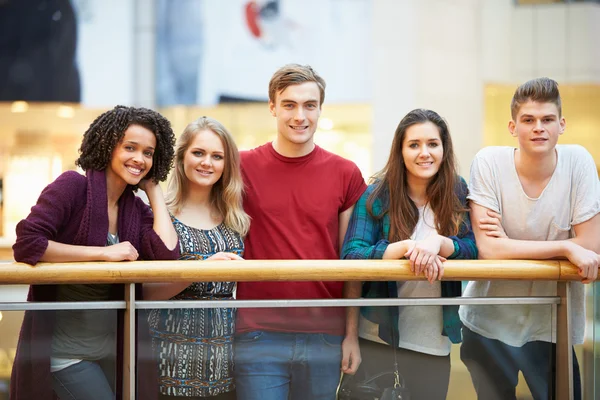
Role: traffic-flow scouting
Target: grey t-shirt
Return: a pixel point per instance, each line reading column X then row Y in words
column 84, row 334
column 572, row 196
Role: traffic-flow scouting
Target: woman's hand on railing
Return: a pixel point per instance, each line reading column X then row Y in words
column 435, row 271
column 168, row 290
column 224, row 256
column 424, row 258
column 123, row 251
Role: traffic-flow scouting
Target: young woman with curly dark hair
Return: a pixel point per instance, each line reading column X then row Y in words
column 96, row 217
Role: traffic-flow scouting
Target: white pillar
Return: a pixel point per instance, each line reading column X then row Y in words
column 144, row 39
column 428, row 55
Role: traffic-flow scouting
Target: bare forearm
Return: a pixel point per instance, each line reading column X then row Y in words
column 396, row 250
column 447, row 247
column 352, row 290
column 162, row 221
column 163, row 291
column 504, row 248
column 60, row 252
column 587, row 242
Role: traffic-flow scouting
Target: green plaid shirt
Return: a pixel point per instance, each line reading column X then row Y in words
column 367, row 238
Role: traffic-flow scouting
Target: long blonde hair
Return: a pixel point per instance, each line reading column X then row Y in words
column 226, row 193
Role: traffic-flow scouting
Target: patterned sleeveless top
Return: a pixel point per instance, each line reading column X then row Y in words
column 194, row 346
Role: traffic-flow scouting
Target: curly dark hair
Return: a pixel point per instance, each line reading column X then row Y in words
column 109, row 128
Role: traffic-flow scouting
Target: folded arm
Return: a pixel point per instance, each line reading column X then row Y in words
column 580, row 250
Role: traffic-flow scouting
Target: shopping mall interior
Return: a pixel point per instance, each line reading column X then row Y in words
column 380, row 59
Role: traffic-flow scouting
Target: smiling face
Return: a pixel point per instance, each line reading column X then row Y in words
column 297, row 109
column 422, row 152
column 132, row 157
column 204, row 159
column 537, row 126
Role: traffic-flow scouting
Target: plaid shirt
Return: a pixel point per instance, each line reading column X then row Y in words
column 367, row 238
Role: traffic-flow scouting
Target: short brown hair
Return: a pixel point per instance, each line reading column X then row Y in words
column 294, row 74
column 540, row 90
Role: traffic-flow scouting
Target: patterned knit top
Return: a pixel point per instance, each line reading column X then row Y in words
column 194, row 346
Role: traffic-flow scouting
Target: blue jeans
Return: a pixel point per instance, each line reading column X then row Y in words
column 282, row 366
column 85, row 380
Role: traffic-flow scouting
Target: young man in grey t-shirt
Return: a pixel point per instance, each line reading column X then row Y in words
column 538, row 201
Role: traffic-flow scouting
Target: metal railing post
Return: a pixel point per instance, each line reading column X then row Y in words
column 129, row 338
column 564, row 347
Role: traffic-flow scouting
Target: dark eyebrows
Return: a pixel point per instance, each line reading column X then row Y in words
column 288, row 101
column 136, row 143
column 426, row 140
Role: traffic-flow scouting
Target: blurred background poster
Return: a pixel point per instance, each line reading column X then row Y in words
column 37, row 51
column 194, row 52
column 68, row 51
column 209, row 52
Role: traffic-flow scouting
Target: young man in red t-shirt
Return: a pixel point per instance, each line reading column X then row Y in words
column 300, row 198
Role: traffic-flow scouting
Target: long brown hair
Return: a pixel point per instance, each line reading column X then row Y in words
column 391, row 185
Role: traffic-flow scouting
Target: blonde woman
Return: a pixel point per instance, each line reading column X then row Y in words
column 194, row 347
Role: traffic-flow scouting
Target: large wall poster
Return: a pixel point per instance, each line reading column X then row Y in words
column 216, row 51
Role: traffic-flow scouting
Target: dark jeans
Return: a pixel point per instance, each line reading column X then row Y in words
column 426, row 376
column 86, row 380
column 494, row 367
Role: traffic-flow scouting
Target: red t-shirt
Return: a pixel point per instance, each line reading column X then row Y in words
column 295, row 204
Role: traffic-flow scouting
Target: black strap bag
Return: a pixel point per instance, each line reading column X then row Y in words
column 368, row 389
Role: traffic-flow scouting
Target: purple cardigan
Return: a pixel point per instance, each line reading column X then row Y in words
column 74, row 210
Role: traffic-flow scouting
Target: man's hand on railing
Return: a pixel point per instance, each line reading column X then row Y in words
column 586, row 260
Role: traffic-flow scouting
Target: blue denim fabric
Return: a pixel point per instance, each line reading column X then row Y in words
column 282, row 366
column 82, row 381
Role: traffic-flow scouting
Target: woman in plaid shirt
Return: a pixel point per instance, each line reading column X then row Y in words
column 415, row 208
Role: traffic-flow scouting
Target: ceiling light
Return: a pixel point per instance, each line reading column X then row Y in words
column 19, row 106
column 65, row 112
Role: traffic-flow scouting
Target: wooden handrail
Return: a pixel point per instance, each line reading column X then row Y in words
column 277, row 270
column 296, row 270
